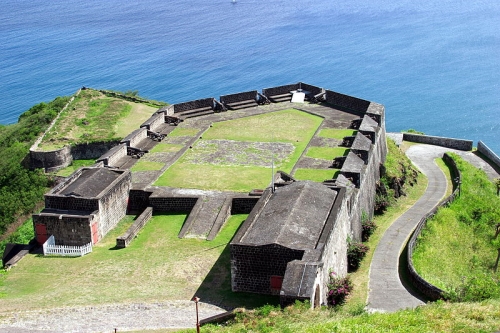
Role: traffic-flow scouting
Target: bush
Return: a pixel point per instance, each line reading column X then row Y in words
column 475, row 288
column 368, row 227
column 355, row 253
column 338, row 289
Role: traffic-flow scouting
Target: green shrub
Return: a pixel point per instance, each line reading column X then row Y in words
column 355, row 253
column 338, row 289
column 368, row 227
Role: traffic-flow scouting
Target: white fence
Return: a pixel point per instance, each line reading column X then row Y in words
column 50, row 248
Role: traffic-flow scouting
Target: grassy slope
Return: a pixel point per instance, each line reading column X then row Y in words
column 461, row 235
column 158, row 266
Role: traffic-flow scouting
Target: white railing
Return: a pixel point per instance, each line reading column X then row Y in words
column 50, row 248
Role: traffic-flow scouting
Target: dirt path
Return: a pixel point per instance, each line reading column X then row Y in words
column 105, row 318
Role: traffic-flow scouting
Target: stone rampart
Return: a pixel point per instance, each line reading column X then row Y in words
column 172, row 204
column 51, row 160
column 192, row 105
column 425, row 288
column 439, row 141
column 154, row 122
column 138, row 200
column 239, row 97
column 124, row 240
column 280, row 90
column 133, row 139
column 243, row 205
column 346, row 102
column 490, row 154
column 314, row 90
column 112, row 156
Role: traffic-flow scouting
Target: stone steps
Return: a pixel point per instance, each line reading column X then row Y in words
column 206, row 218
column 280, row 98
column 242, row 104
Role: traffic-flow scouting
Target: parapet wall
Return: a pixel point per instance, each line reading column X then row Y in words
column 133, row 139
column 239, row 97
column 154, row 122
column 347, row 102
column 430, row 291
column 439, row 141
column 192, row 105
column 490, row 154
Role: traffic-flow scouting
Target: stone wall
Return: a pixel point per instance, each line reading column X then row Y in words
column 138, row 200
column 439, row 141
column 51, row 160
column 192, row 105
column 425, row 288
column 346, row 102
column 243, row 205
column 113, row 204
column 124, row 240
column 62, row 202
column 111, row 157
column 71, row 230
column 312, row 89
column 172, row 204
column 280, row 90
column 134, row 138
column 239, row 97
column 256, row 265
column 88, row 151
column 154, row 122
column 490, row 154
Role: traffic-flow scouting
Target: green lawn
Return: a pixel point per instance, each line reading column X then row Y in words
column 237, row 155
column 339, row 134
column 326, row 153
column 75, row 165
column 317, row 175
column 157, row 266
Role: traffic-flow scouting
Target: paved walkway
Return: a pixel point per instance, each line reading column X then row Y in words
column 386, row 293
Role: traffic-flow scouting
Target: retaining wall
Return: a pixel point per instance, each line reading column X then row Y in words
column 425, row 288
column 490, row 154
column 172, row 204
column 439, row 141
column 124, row 240
column 243, row 205
column 51, row 160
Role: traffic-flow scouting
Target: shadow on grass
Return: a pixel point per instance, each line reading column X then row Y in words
column 216, row 288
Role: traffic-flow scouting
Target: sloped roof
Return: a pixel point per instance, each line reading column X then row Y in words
column 352, row 164
column 361, row 142
column 293, row 217
column 368, row 124
column 91, row 182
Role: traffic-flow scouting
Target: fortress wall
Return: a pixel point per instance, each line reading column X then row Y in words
column 133, row 139
column 51, row 160
column 486, row 151
column 243, row 205
column 239, row 97
column 138, row 200
column 347, row 102
column 71, row 203
column 312, row 89
column 280, row 90
column 154, row 122
column 112, row 157
column 172, row 204
column 113, row 204
column 87, row 151
column 439, row 141
column 191, row 105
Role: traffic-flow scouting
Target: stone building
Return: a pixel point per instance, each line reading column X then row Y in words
column 83, row 208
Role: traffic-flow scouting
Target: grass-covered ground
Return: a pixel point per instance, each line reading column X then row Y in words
column 237, row 155
column 158, row 266
column 75, row 165
column 455, row 251
column 92, row 117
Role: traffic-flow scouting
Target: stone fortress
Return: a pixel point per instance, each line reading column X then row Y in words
column 296, row 231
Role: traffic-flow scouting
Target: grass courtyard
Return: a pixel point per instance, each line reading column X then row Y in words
column 237, row 155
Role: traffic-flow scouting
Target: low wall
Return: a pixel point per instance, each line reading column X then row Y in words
column 154, row 122
column 124, row 240
column 135, row 137
column 243, row 205
column 192, row 105
column 439, row 141
column 346, row 101
column 280, row 90
column 51, row 160
column 172, row 204
column 490, row 154
column 111, row 157
column 425, row 288
column 314, row 90
column 239, row 97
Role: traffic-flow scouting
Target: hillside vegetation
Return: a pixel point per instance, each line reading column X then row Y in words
column 458, row 249
column 20, row 188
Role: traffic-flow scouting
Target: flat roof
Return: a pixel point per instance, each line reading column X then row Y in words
column 294, row 216
column 91, row 182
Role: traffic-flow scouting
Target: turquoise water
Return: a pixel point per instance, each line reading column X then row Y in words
column 434, row 65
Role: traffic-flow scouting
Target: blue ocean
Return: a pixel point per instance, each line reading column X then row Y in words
column 435, row 65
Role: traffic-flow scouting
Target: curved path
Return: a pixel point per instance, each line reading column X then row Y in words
column 386, row 293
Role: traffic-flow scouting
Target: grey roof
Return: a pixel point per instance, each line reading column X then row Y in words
column 361, row 142
column 368, row 124
column 91, row 182
column 352, row 164
column 293, row 217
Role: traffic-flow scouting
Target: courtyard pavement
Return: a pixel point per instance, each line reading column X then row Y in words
column 386, row 292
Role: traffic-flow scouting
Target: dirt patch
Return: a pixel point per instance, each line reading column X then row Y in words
column 227, row 152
